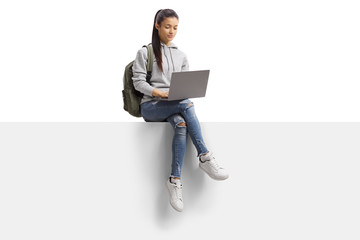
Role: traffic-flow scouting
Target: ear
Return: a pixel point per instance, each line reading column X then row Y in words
column 157, row 26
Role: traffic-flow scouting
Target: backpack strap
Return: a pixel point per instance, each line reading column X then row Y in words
column 149, row 62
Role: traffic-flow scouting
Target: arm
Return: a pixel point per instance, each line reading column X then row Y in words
column 139, row 76
column 139, row 73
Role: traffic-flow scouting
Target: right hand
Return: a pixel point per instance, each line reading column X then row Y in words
column 159, row 93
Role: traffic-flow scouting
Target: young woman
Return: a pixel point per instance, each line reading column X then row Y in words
column 180, row 113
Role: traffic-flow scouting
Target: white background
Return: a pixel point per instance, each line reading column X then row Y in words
column 269, row 60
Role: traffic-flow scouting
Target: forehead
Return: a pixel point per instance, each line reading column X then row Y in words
column 173, row 21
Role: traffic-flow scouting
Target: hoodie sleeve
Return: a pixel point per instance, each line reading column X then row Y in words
column 185, row 65
column 139, row 73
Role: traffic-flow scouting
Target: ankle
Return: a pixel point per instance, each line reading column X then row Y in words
column 204, row 154
column 173, row 179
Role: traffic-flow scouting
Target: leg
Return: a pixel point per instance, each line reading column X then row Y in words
column 158, row 111
column 178, row 144
column 193, row 125
column 161, row 110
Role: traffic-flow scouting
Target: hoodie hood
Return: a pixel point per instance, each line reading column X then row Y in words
column 172, row 45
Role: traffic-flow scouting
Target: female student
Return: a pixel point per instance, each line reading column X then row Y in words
column 179, row 113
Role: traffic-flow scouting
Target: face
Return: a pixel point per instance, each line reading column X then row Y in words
column 167, row 29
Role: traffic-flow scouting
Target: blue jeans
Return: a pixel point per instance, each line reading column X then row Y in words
column 177, row 112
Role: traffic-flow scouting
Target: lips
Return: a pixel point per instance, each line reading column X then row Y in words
column 170, row 36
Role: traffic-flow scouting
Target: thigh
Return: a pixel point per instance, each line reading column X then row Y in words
column 157, row 111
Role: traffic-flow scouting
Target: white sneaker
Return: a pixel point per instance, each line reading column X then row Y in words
column 212, row 168
column 175, row 191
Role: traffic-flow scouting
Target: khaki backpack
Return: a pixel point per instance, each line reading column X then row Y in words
column 132, row 97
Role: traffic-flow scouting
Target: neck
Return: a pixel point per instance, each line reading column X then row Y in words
column 167, row 44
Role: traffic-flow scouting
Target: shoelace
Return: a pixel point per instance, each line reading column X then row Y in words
column 214, row 163
column 178, row 188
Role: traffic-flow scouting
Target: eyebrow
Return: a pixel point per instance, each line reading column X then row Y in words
column 170, row 25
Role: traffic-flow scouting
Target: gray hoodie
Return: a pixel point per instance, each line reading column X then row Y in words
column 173, row 60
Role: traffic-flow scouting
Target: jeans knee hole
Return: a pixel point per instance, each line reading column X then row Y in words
column 190, row 104
column 181, row 124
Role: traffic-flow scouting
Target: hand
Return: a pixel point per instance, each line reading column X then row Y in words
column 159, row 93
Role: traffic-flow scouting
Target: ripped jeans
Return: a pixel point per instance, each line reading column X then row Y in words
column 177, row 112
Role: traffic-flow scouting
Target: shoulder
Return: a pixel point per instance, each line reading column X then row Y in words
column 179, row 53
column 183, row 56
column 142, row 55
column 142, row 52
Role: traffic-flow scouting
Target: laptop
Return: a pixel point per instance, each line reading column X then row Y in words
column 188, row 84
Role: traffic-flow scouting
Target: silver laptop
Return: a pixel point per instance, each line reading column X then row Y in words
column 188, row 84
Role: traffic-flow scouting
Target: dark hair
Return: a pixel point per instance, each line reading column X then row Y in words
column 159, row 18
